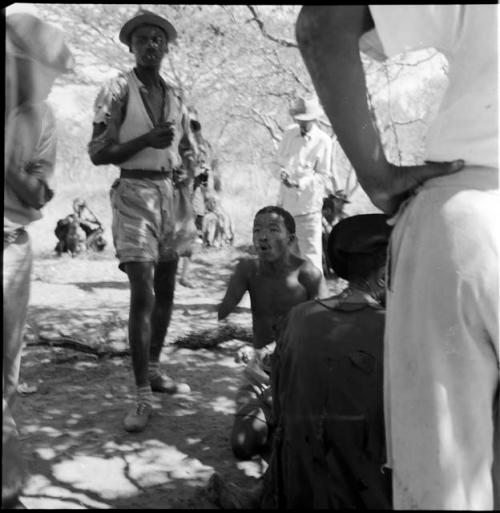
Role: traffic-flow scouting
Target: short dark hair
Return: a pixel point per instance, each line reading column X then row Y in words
column 357, row 245
column 284, row 214
column 363, row 266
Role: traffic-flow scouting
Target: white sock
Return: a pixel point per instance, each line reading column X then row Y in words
column 145, row 395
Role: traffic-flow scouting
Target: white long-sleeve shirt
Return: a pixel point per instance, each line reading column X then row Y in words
column 307, row 159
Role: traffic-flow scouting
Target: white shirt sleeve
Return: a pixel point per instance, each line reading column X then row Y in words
column 402, row 28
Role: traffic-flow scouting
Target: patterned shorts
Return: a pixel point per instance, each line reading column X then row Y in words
column 143, row 220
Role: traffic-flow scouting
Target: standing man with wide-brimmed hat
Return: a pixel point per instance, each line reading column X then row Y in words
column 35, row 55
column 142, row 126
column 304, row 165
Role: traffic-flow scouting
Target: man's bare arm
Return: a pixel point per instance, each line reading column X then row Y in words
column 116, row 153
column 30, row 185
column 238, row 285
column 328, row 38
column 312, row 280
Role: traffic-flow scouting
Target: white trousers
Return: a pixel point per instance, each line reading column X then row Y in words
column 308, row 230
column 442, row 346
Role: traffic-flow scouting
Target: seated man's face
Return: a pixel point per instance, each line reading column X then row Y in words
column 271, row 238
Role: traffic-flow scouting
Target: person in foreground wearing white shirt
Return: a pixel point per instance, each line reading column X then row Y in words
column 304, row 161
column 441, row 355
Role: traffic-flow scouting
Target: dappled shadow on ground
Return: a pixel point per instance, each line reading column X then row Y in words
column 80, row 456
column 70, row 415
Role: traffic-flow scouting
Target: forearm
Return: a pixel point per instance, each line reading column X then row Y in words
column 328, row 38
column 331, row 54
column 116, row 153
column 30, row 187
column 235, row 291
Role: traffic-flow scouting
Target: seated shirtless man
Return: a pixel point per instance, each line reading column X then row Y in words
column 276, row 281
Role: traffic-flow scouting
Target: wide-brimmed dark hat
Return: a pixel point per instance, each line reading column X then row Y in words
column 359, row 234
column 143, row 17
column 28, row 37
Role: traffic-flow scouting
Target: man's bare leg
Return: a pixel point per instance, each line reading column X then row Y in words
column 164, row 287
column 142, row 300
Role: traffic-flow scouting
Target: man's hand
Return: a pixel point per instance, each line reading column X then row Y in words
column 161, row 136
column 29, row 185
column 388, row 189
column 285, row 179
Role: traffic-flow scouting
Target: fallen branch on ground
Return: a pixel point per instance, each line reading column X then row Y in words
column 59, row 340
column 212, row 337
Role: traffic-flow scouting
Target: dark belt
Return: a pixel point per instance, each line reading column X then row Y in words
column 145, row 173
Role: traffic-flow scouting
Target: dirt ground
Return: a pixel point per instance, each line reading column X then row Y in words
column 76, row 385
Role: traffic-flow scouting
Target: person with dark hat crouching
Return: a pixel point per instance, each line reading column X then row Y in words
column 142, row 126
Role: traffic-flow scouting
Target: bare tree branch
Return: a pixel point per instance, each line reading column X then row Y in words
column 288, row 43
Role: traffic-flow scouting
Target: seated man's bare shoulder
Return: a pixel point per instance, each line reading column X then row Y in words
column 312, row 279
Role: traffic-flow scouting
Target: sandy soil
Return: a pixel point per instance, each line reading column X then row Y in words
column 72, row 403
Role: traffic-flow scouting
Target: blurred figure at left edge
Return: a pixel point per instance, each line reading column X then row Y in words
column 35, row 55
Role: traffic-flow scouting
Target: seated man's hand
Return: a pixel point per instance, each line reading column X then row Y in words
column 244, row 355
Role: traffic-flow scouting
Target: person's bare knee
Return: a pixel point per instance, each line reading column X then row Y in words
column 248, row 437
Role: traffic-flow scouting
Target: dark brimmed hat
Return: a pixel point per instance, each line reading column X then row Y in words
column 28, row 37
column 359, row 234
column 143, row 17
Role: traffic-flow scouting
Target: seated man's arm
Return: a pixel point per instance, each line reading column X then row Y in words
column 328, row 38
column 238, row 285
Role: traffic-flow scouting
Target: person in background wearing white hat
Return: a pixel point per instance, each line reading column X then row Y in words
column 142, row 125
column 35, row 56
column 304, row 165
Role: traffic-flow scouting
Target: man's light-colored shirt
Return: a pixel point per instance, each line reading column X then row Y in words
column 30, row 144
column 122, row 106
column 307, row 159
column 466, row 126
